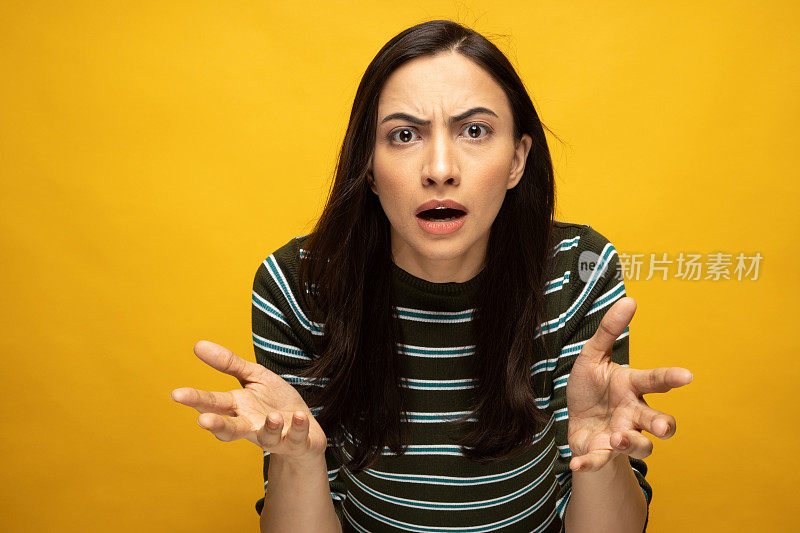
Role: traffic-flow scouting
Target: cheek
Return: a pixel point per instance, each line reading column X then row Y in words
column 392, row 199
column 490, row 189
column 393, row 182
column 392, row 194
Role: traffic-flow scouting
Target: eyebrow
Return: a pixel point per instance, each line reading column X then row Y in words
column 456, row 118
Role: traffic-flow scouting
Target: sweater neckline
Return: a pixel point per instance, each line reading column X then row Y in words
column 447, row 289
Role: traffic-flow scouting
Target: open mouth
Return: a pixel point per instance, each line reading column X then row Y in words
column 442, row 214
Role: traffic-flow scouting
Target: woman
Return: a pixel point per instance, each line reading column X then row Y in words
column 466, row 356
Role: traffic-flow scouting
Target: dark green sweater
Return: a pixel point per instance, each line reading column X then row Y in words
column 433, row 487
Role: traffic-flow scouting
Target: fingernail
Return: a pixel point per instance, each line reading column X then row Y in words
column 691, row 377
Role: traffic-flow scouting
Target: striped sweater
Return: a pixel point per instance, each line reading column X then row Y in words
column 433, row 487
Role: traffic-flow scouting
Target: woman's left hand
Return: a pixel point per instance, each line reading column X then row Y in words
column 604, row 400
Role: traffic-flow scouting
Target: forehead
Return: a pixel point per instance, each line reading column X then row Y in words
column 447, row 82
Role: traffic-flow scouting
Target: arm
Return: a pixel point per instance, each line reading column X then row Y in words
column 616, row 496
column 609, row 499
column 298, row 496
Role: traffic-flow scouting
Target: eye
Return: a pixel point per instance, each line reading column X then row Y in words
column 405, row 134
column 475, row 128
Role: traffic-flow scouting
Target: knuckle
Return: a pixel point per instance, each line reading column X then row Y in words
column 228, row 357
column 268, row 437
column 234, row 405
column 296, row 436
column 642, row 452
column 268, row 442
column 606, row 329
column 238, row 363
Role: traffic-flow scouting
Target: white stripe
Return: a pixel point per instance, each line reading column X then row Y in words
column 596, row 306
column 444, row 449
column 438, row 317
column 562, row 319
column 563, row 279
column 412, row 350
column 279, row 348
column 271, row 264
column 466, row 505
column 270, row 310
column 562, row 502
column 459, row 480
column 484, row 527
column 566, row 244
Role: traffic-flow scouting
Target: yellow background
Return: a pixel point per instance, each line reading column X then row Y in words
column 154, row 153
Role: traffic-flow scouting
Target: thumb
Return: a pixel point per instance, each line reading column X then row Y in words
column 611, row 327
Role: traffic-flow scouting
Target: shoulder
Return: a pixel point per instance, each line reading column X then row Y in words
column 285, row 259
column 276, row 275
column 289, row 253
column 586, row 270
column 276, row 292
column 572, row 240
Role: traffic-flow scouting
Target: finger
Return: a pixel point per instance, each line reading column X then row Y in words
column 225, row 428
column 632, row 443
column 611, row 327
column 226, row 361
column 298, row 431
column 222, row 403
column 660, row 379
column 591, row 461
column 657, row 423
column 271, row 433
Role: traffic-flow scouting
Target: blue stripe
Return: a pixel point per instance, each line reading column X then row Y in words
column 467, row 529
column 607, row 298
column 605, row 257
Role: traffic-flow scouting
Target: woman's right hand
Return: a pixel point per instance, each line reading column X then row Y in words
column 264, row 398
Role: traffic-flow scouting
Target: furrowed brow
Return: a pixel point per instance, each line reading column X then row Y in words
column 456, row 118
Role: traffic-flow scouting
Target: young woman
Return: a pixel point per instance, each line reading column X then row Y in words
column 439, row 354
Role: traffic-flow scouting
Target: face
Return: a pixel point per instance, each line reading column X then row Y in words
column 472, row 159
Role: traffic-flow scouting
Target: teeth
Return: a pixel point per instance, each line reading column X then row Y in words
column 435, row 213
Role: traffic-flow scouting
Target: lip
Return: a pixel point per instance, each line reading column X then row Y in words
column 441, row 228
column 433, row 204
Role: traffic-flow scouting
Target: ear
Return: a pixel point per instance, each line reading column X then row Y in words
column 371, row 176
column 371, row 181
column 520, row 157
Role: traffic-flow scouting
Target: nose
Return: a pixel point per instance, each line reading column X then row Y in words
column 441, row 165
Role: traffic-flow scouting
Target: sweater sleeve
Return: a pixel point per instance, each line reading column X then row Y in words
column 279, row 328
column 590, row 296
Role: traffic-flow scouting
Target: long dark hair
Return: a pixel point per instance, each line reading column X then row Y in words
column 357, row 354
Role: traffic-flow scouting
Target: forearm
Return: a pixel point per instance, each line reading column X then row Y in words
column 298, row 498
column 608, row 500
